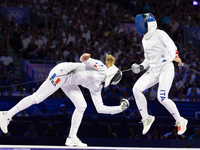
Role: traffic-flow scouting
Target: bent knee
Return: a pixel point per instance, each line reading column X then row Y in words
column 136, row 90
column 82, row 108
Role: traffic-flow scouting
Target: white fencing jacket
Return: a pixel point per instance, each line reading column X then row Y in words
column 90, row 74
column 159, row 49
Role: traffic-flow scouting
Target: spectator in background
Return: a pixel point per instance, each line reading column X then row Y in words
column 16, row 40
column 193, row 95
column 131, row 134
column 25, row 41
column 196, row 135
column 38, row 41
column 7, row 61
column 32, row 90
column 31, row 51
column 113, row 94
column 5, row 39
column 25, row 24
column 106, row 32
column 118, row 29
column 21, row 91
column 23, row 114
column 179, row 82
column 181, row 96
column 187, row 85
column 154, row 134
column 13, row 23
column 3, row 74
column 173, row 134
column 190, row 50
column 50, row 132
column 86, row 34
column 193, row 92
column 62, row 111
column 109, row 132
column 174, row 29
column 31, row 131
column 9, row 92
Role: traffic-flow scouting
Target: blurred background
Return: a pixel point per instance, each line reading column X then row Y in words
column 35, row 35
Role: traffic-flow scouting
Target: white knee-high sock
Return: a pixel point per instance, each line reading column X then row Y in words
column 75, row 122
column 171, row 107
column 23, row 104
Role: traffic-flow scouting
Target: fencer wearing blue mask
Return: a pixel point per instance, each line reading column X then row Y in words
column 142, row 20
column 159, row 52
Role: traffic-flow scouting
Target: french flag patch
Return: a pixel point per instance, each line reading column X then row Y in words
column 95, row 64
column 57, row 81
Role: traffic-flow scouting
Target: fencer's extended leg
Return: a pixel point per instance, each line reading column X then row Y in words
column 49, row 86
column 44, row 91
column 146, row 81
column 41, row 94
column 76, row 96
column 165, row 82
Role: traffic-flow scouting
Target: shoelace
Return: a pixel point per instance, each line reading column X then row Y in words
column 177, row 124
column 142, row 121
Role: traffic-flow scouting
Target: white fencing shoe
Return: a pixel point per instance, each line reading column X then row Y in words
column 4, row 121
column 182, row 125
column 147, row 124
column 76, row 142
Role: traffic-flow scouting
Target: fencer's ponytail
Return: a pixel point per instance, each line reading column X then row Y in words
column 110, row 60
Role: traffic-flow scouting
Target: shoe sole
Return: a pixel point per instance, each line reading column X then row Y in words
column 153, row 119
column 75, row 145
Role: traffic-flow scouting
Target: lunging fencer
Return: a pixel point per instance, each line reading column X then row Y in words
column 91, row 74
column 159, row 52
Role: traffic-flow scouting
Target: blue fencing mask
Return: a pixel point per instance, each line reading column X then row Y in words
column 141, row 22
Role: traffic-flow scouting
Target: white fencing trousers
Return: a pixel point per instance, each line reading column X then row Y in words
column 147, row 80
column 48, row 87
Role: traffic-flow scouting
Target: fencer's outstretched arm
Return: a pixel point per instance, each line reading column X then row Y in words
column 100, row 107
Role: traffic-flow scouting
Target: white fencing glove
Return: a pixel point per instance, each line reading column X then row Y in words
column 137, row 68
column 124, row 104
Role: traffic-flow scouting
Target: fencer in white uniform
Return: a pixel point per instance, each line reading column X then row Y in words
column 159, row 52
column 91, row 74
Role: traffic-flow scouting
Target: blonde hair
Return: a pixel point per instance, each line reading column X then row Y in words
column 110, row 60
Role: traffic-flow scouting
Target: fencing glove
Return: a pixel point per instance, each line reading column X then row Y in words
column 136, row 68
